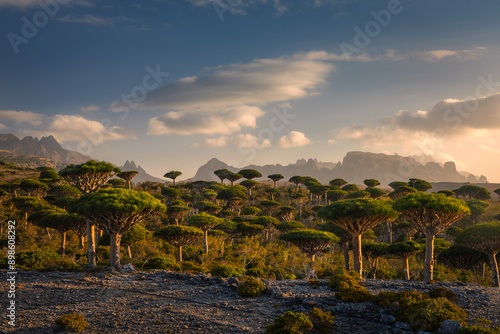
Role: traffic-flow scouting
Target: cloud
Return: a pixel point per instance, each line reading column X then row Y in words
column 250, row 141
column 66, row 128
column 21, row 117
column 239, row 6
column 87, row 19
column 226, row 98
column 216, row 142
column 30, row 3
column 223, row 121
column 87, row 109
column 429, row 131
column 393, row 55
column 293, row 139
column 331, row 141
column 240, row 140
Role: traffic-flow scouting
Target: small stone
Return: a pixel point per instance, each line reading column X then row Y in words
column 449, row 327
column 387, row 319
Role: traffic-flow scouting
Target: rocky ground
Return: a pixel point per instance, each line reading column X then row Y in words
column 166, row 302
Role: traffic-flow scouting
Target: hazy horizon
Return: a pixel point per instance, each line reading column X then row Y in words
column 172, row 84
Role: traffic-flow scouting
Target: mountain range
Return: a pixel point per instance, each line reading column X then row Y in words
column 45, row 148
column 355, row 168
column 142, row 175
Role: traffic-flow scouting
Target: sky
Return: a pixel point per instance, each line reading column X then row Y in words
column 171, row 84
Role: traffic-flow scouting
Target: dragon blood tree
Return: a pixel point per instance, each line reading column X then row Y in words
column 430, row 214
column 356, row 216
column 88, row 178
column 116, row 211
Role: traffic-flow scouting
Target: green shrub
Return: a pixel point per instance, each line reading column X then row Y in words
column 37, row 260
column 223, row 270
column 477, row 330
column 256, row 272
column 349, row 277
column 251, row 287
column 443, row 292
column 428, row 314
column 322, row 321
column 397, row 301
column 290, row 323
column 353, row 293
column 72, row 322
column 161, row 262
column 192, row 267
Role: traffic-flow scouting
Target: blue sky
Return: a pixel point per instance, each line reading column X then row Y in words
column 171, row 84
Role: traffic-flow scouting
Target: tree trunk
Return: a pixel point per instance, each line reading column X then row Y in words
column 114, row 250
column 357, row 255
column 129, row 252
column 494, row 269
column 129, row 184
column 407, row 268
column 63, row 244
column 345, row 251
column 48, row 233
column 222, row 249
column 429, row 259
column 312, row 257
column 389, row 229
column 205, row 241
column 81, row 241
column 179, row 253
column 373, row 269
column 91, row 244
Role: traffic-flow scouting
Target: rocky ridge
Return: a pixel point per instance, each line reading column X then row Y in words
column 355, row 168
column 159, row 301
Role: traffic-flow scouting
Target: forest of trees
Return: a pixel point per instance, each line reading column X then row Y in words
column 92, row 216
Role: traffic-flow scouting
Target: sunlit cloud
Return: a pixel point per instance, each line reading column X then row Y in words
column 293, row 139
column 21, row 117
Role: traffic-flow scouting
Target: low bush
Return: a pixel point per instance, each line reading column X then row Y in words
column 322, row 321
column 290, row 323
column 72, row 322
column 161, row 262
column 192, row 267
column 477, row 330
column 251, row 287
column 37, row 260
column 349, row 277
column 443, row 292
column 428, row 314
column 397, row 301
column 353, row 293
column 256, row 272
column 223, row 270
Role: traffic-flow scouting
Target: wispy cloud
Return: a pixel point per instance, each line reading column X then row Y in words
column 241, row 140
column 30, row 3
column 394, row 55
column 226, row 98
column 87, row 19
column 67, row 128
column 239, row 7
column 88, row 109
column 21, row 116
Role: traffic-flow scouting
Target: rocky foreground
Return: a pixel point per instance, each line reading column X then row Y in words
column 167, row 302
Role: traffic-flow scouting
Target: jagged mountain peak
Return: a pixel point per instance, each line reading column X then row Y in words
column 47, row 148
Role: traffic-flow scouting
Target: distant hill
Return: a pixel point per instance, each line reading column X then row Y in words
column 27, row 160
column 355, row 168
column 47, row 148
column 142, row 175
